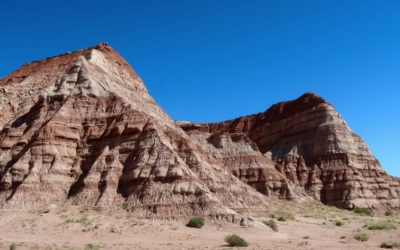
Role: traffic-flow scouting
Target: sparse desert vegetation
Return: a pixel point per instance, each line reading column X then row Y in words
column 272, row 224
column 365, row 211
column 91, row 247
column 282, row 218
column 196, row 222
column 361, row 236
column 284, row 215
column 307, row 225
column 339, row 223
column 390, row 245
column 388, row 213
column 381, row 225
column 234, row 240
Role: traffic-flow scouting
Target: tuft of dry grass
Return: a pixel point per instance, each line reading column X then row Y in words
column 380, row 225
column 272, row 224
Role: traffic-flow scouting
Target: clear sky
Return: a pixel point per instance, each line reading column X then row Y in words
column 209, row 60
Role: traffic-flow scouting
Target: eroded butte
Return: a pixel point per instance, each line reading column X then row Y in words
column 81, row 129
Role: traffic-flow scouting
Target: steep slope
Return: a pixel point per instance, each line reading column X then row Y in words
column 310, row 143
column 93, row 136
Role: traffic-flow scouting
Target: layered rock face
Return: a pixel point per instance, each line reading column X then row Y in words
column 309, row 143
column 81, row 129
column 93, row 136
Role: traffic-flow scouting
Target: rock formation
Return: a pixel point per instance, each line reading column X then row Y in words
column 309, row 144
column 91, row 135
column 81, row 129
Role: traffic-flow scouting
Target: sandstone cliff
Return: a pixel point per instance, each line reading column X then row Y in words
column 81, row 129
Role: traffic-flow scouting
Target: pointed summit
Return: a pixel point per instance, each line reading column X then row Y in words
column 96, row 132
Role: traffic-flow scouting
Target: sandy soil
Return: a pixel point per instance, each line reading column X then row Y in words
column 313, row 227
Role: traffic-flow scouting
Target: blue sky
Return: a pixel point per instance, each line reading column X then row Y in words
column 208, row 61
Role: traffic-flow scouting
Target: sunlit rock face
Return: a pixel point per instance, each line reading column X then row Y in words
column 81, row 129
column 309, row 143
column 88, row 133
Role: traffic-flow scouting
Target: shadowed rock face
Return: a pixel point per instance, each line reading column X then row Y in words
column 81, row 129
column 309, row 143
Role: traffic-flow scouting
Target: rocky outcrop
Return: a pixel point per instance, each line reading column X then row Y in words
column 309, row 143
column 86, row 132
column 95, row 137
column 238, row 152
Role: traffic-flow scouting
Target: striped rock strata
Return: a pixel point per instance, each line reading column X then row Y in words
column 308, row 143
column 81, row 129
column 91, row 135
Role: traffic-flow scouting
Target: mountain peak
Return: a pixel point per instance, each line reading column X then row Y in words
column 84, row 122
column 59, row 63
column 305, row 101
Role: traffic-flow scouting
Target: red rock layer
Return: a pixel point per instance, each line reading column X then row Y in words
column 81, row 129
column 313, row 147
column 95, row 137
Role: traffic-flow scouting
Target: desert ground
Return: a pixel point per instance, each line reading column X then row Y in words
column 308, row 225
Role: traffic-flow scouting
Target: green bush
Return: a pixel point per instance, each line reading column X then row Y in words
column 196, row 222
column 388, row 213
column 380, row 225
column 282, row 218
column 339, row 223
column 363, row 210
column 235, row 241
column 272, row 224
column 361, row 236
column 92, row 247
column 13, row 246
column 390, row 245
column 287, row 215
